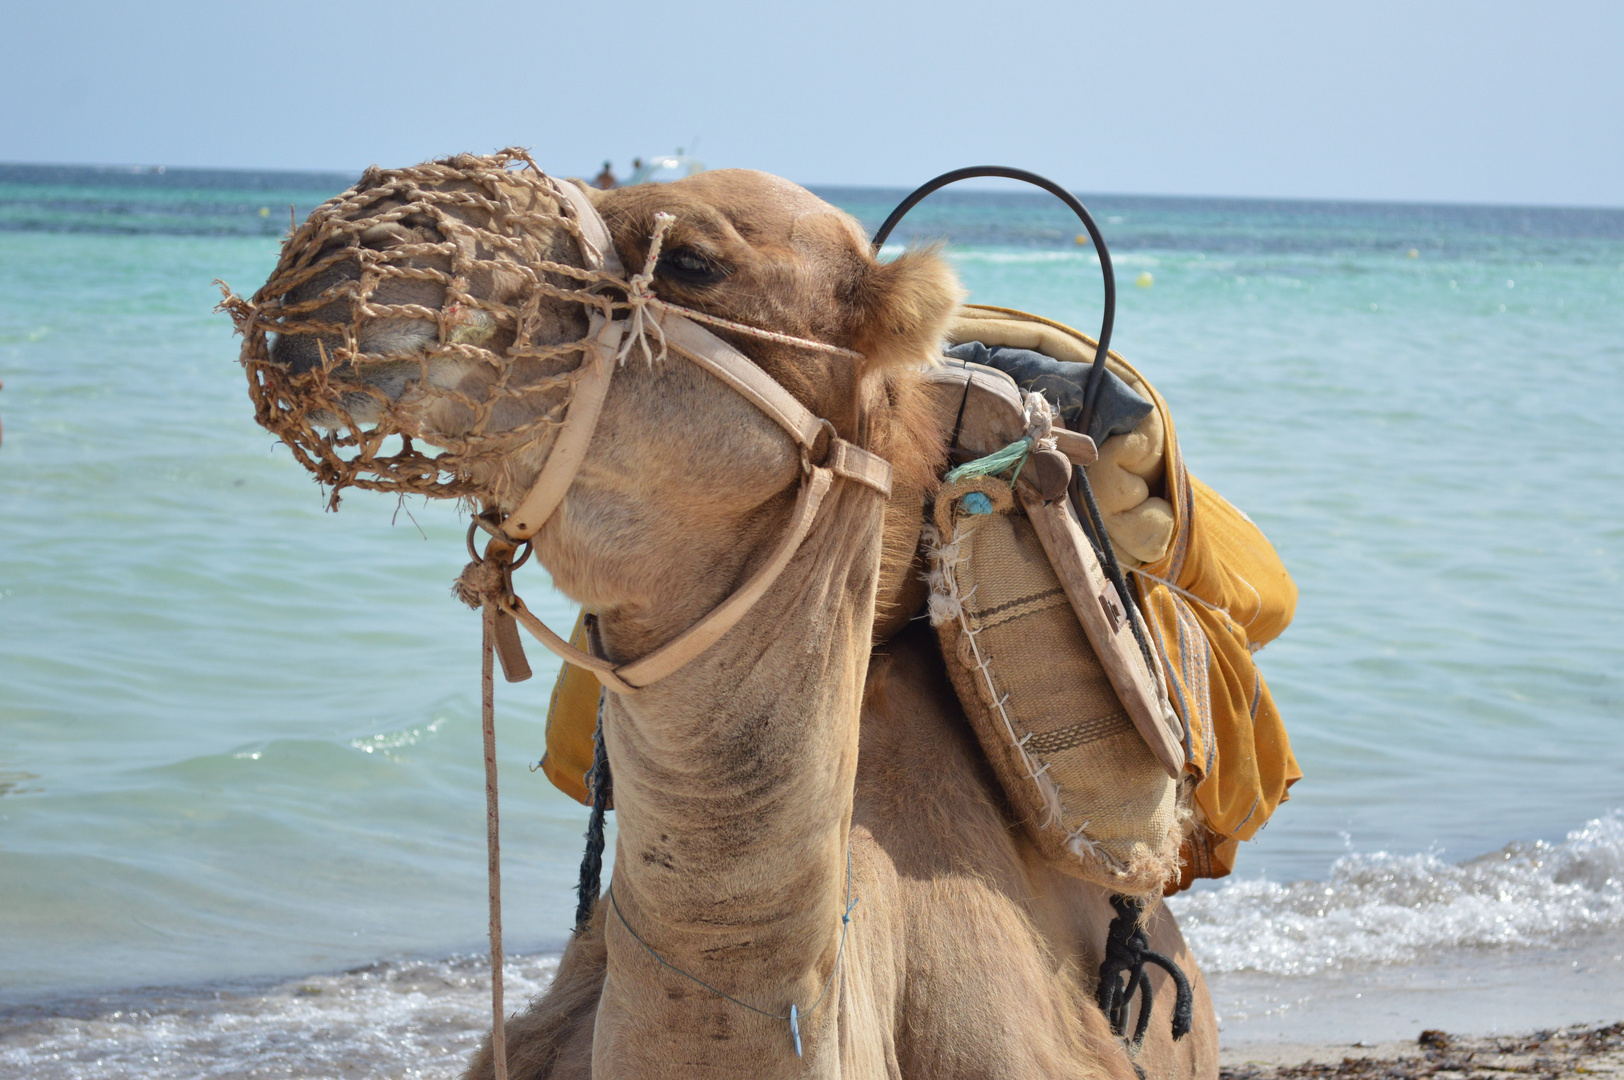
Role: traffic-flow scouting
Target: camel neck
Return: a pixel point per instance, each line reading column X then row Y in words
column 733, row 778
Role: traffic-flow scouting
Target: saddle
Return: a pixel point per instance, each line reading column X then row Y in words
column 1133, row 735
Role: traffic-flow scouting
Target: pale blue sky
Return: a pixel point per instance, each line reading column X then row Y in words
column 1474, row 102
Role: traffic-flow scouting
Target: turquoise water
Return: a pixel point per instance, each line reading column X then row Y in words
column 239, row 735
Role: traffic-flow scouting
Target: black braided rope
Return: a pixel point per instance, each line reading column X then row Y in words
column 599, row 785
column 1122, row 975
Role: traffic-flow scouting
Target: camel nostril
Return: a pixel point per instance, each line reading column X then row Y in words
column 300, row 352
column 469, row 326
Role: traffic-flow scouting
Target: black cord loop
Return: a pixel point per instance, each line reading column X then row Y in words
column 1097, row 372
column 1082, row 496
column 1082, row 492
column 1122, row 975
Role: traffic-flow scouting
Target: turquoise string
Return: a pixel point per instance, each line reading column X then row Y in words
column 996, row 463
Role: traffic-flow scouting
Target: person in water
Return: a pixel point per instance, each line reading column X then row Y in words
column 605, row 179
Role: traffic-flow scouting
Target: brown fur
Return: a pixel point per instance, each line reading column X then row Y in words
column 743, row 780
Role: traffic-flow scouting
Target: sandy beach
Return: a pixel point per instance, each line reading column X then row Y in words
column 1595, row 1050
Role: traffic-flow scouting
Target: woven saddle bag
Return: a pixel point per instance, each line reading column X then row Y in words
column 1040, row 649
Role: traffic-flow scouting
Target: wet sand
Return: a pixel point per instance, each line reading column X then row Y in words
column 1595, row 1050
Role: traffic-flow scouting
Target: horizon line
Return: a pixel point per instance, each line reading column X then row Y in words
column 990, row 185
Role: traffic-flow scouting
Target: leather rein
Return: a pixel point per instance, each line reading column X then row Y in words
column 825, row 458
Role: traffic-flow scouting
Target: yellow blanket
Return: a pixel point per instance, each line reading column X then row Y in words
column 572, row 719
column 1218, row 594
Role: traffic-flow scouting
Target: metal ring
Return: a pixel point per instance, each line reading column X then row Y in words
column 490, row 522
column 526, row 546
column 807, row 464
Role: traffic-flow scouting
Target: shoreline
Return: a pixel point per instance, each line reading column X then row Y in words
column 425, row 1018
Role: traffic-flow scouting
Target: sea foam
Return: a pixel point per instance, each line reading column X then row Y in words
column 1382, row 908
column 415, row 1019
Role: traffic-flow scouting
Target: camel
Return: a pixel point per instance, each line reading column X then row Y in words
column 815, row 755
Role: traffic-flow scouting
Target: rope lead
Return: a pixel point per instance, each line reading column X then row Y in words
column 493, row 847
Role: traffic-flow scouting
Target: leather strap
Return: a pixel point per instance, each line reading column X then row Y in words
column 708, row 630
column 580, row 423
column 840, row 460
column 630, row 677
column 761, row 390
column 742, row 375
column 851, row 462
column 599, row 249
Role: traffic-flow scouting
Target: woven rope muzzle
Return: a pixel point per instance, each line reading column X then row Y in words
column 445, row 303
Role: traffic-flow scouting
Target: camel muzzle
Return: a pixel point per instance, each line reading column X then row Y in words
column 443, row 304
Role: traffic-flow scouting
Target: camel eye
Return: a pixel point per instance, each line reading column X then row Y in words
column 686, row 266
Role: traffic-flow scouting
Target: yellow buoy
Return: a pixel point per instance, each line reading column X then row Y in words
column 1144, row 280
column 265, row 211
column 1414, row 254
column 1082, row 239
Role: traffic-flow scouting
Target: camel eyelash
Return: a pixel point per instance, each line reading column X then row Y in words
column 690, row 267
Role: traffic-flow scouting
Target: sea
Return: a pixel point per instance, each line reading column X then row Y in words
column 241, row 803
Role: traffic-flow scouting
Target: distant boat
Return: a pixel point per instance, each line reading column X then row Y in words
column 663, row 168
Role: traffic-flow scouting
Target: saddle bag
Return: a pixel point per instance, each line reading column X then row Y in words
column 1209, row 586
column 1040, row 647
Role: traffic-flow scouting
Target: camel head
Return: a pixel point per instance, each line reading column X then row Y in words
column 447, row 306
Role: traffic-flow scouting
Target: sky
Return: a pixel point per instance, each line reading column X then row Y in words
column 1407, row 100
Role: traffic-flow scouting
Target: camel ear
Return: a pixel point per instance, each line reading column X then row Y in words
column 903, row 307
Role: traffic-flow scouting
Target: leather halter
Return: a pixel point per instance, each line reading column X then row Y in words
column 825, row 457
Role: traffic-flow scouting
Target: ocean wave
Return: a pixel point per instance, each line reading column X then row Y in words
column 407, row 1019
column 425, row 1018
column 1382, row 908
column 386, row 741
